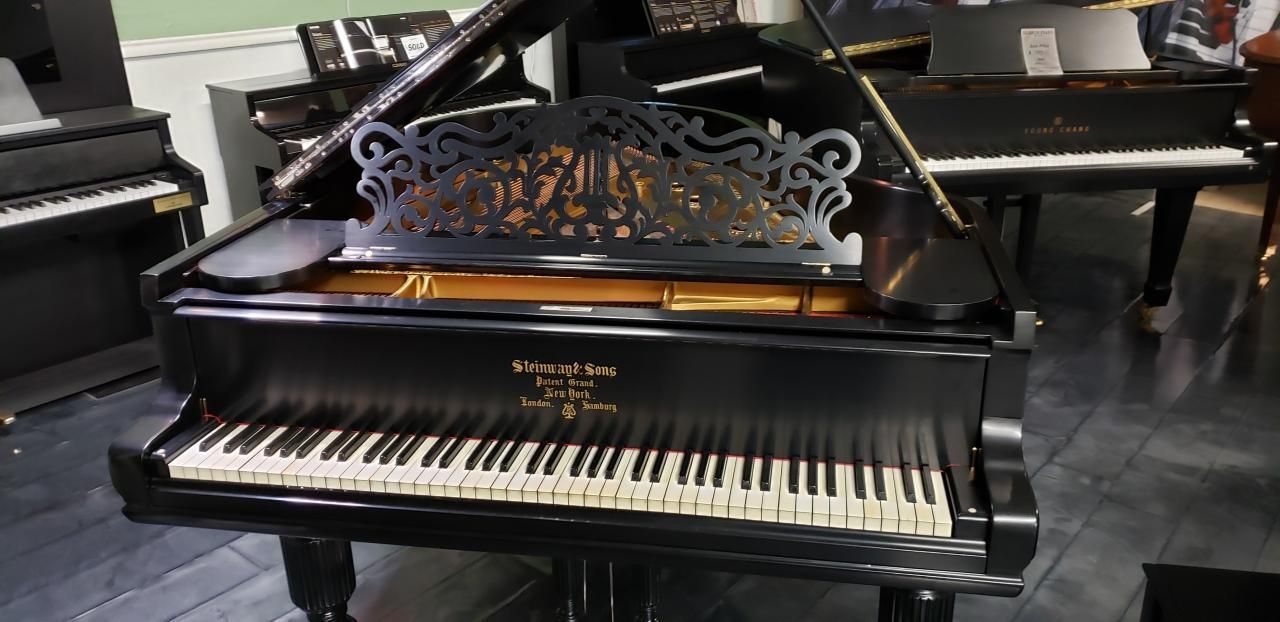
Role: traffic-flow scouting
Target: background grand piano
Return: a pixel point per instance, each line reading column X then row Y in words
column 985, row 128
column 696, row 384
column 86, row 204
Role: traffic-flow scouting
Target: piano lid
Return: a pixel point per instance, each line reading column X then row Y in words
column 989, row 40
column 494, row 34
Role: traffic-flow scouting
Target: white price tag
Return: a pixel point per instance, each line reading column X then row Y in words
column 414, row 45
column 1040, row 52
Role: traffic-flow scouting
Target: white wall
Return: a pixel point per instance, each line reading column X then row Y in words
column 170, row 75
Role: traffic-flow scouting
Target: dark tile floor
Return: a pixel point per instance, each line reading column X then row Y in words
column 1142, row 448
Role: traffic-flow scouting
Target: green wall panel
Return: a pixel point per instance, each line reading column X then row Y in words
column 150, row 19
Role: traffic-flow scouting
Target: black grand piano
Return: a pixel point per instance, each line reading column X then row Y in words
column 1112, row 120
column 597, row 329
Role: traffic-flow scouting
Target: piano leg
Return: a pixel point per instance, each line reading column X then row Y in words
column 569, row 576
column 1028, row 224
column 902, row 605
column 321, row 576
column 1270, row 235
column 647, row 609
column 1172, row 213
column 995, row 211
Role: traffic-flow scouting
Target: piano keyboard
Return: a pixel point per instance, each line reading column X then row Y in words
column 29, row 209
column 1167, row 156
column 753, row 488
column 711, row 78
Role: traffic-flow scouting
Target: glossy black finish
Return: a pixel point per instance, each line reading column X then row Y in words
column 937, row 279
column 916, row 606
column 321, row 576
column 256, row 118
column 283, row 254
column 89, row 59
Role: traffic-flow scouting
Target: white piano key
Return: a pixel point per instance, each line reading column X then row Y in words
column 546, row 491
column 689, row 492
column 596, row 485
column 658, row 492
column 470, row 483
column 838, row 508
column 804, row 500
column 401, row 479
column 942, row 522
column 299, row 473
column 923, row 511
column 640, row 495
column 529, row 492
column 872, row 517
column 1166, row 156
column 564, row 481
column 578, row 485
column 233, row 469
column 906, row 510
column 627, row 488
column 611, row 494
column 821, row 502
column 704, row 502
column 673, row 490
column 522, row 102
column 484, row 486
column 65, row 204
column 253, row 471
column 359, row 475
column 458, row 470
column 773, row 496
column 786, row 498
column 507, row 486
column 723, row 495
column 753, row 504
column 889, row 507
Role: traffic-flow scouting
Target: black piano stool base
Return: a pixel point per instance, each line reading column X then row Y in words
column 902, row 605
column 321, row 575
column 570, row 581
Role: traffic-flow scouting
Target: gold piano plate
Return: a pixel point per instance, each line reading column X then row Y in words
column 172, row 202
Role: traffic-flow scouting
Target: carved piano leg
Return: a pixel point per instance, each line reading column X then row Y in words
column 568, row 575
column 1172, row 214
column 647, row 606
column 321, row 576
column 898, row 605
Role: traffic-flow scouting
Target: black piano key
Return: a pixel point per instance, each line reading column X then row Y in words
column 436, row 449
column 766, row 473
column 593, row 468
column 336, row 445
column 394, row 448
column 832, row 489
column 655, row 472
column 206, row 428
column 536, row 459
column 637, row 467
column 926, row 480
column 495, row 454
column 276, row 446
column 376, row 448
column 793, row 476
column 748, row 465
column 717, row 480
column 477, row 454
column 310, row 443
column 859, row 480
column 580, row 460
column 353, row 446
column 455, row 448
column 509, row 458
column 686, row 464
column 908, row 486
column 811, row 477
column 611, row 469
column 240, row 437
column 218, row 435
column 877, row 473
column 554, row 459
column 256, row 440
column 700, row 478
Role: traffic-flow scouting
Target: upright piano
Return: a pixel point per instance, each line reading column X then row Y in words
column 597, row 329
column 986, row 128
column 621, row 49
column 263, row 123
